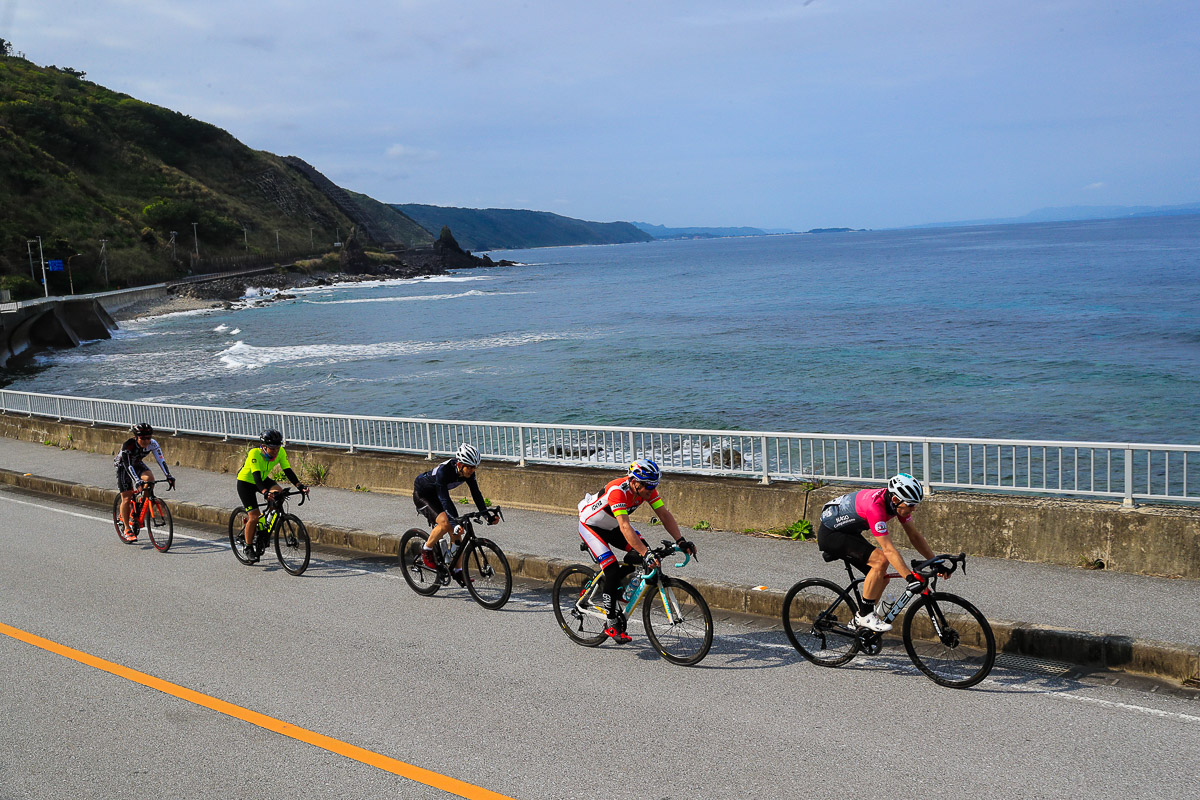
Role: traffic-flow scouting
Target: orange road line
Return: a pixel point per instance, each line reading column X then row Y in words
column 368, row 757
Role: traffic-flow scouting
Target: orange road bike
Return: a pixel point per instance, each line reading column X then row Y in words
column 148, row 510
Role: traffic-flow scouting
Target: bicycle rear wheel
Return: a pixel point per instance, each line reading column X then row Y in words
column 237, row 535
column 160, row 525
column 817, row 615
column 291, row 544
column 586, row 629
column 420, row 578
column 678, row 621
column 949, row 640
column 486, row 573
column 117, row 519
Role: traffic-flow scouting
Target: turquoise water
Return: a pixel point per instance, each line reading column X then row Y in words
column 1062, row 330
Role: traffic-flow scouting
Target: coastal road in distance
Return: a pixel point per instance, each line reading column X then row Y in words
column 350, row 655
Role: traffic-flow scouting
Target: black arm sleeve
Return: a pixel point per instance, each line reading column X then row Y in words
column 291, row 476
column 475, row 494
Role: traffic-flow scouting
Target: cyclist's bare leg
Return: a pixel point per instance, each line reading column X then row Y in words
column 877, row 579
column 439, row 530
column 126, row 507
column 252, row 517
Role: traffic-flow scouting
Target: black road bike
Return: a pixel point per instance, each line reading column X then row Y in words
column 485, row 572
column 292, row 546
column 945, row 636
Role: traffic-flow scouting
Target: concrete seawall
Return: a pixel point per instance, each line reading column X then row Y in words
column 1152, row 540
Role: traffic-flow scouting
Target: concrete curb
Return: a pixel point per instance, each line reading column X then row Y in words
column 1082, row 648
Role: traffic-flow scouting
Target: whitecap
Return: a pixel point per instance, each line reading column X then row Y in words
column 412, row 298
column 235, row 331
column 244, row 356
column 221, row 327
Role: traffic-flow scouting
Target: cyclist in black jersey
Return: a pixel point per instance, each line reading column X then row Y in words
column 431, row 495
column 132, row 469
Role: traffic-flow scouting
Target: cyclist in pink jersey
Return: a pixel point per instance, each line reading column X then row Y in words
column 846, row 518
column 604, row 524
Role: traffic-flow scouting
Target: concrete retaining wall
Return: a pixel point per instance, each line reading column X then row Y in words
column 1148, row 540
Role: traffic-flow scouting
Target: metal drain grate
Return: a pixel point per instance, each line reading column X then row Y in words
column 1033, row 664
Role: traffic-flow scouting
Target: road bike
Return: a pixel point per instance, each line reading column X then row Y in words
column 945, row 636
column 485, row 571
column 292, row 546
column 148, row 510
column 677, row 620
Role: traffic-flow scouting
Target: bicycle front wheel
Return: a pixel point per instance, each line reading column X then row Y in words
column 420, row 578
column 678, row 621
column 237, row 535
column 117, row 518
column 292, row 547
column 160, row 525
column 949, row 640
column 817, row 615
column 486, row 573
column 578, row 620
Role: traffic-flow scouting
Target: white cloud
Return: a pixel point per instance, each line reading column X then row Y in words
column 1091, row 187
column 405, row 152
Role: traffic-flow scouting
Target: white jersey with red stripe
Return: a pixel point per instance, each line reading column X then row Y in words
column 601, row 510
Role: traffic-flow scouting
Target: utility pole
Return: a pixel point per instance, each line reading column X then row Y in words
column 245, row 240
column 310, row 238
column 42, row 258
column 104, row 256
column 173, row 235
column 196, row 239
column 29, row 248
column 70, row 276
column 277, row 241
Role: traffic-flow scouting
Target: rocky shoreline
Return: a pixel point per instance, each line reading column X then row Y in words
column 230, row 292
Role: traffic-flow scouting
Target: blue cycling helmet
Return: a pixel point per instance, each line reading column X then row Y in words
column 645, row 471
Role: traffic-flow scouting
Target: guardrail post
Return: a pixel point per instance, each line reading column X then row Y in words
column 350, row 432
column 521, row 444
column 925, row 468
column 766, row 466
column 175, row 419
column 225, row 426
column 429, row 441
column 58, row 407
column 129, row 408
column 1128, row 501
column 93, row 406
column 632, row 448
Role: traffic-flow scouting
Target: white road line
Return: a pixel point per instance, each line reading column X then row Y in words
column 107, row 520
column 1127, row 706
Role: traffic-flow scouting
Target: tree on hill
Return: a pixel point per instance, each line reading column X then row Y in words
column 5, row 48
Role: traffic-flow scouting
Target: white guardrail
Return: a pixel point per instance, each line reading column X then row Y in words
column 1127, row 472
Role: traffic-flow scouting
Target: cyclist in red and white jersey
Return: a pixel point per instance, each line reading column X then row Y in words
column 846, row 518
column 604, row 524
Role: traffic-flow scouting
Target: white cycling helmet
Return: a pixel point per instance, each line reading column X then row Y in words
column 906, row 488
column 467, row 455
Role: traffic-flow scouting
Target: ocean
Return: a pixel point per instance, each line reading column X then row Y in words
column 1082, row 331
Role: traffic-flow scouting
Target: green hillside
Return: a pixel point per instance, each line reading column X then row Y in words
column 80, row 163
column 510, row 229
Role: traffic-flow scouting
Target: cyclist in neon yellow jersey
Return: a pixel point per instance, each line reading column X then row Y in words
column 254, row 478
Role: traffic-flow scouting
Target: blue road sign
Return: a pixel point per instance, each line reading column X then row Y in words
column 55, row 265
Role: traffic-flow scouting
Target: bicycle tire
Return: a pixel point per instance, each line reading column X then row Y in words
column 816, row 613
column 292, row 546
column 420, row 578
column 569, row 587
column 677, row 621
column 237, row 535
column 486, row 574
column 161, row 535
column 117, row 518
column 965, row 651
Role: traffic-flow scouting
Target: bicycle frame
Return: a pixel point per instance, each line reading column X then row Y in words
column 647, row 579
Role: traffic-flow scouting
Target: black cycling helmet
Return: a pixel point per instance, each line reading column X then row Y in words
column 143, row 429
column 271, row 438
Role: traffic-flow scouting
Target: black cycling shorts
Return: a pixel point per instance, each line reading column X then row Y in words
column 429, row 506
column 125, row 480
column 841, row 544
column 248, row 494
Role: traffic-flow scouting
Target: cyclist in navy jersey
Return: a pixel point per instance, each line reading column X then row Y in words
column 132, row 469
column 431, row 495
column 846, row 518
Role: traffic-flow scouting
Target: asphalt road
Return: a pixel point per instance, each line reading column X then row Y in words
column 1104, row 602
column 501, row 700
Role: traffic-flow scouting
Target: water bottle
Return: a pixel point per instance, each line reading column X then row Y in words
column 630, row 587
column 445, row 543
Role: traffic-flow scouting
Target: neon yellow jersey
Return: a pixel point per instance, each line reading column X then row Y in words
column 256, row 461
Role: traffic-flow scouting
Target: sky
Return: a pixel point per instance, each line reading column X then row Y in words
column 825, row 113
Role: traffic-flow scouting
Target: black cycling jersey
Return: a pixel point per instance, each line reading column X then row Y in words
column 435, row 485
column 132, row 454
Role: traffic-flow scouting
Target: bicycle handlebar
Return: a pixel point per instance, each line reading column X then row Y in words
column 284, row 494
column 152, row 481
column 943, row 564
column 480, row 516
